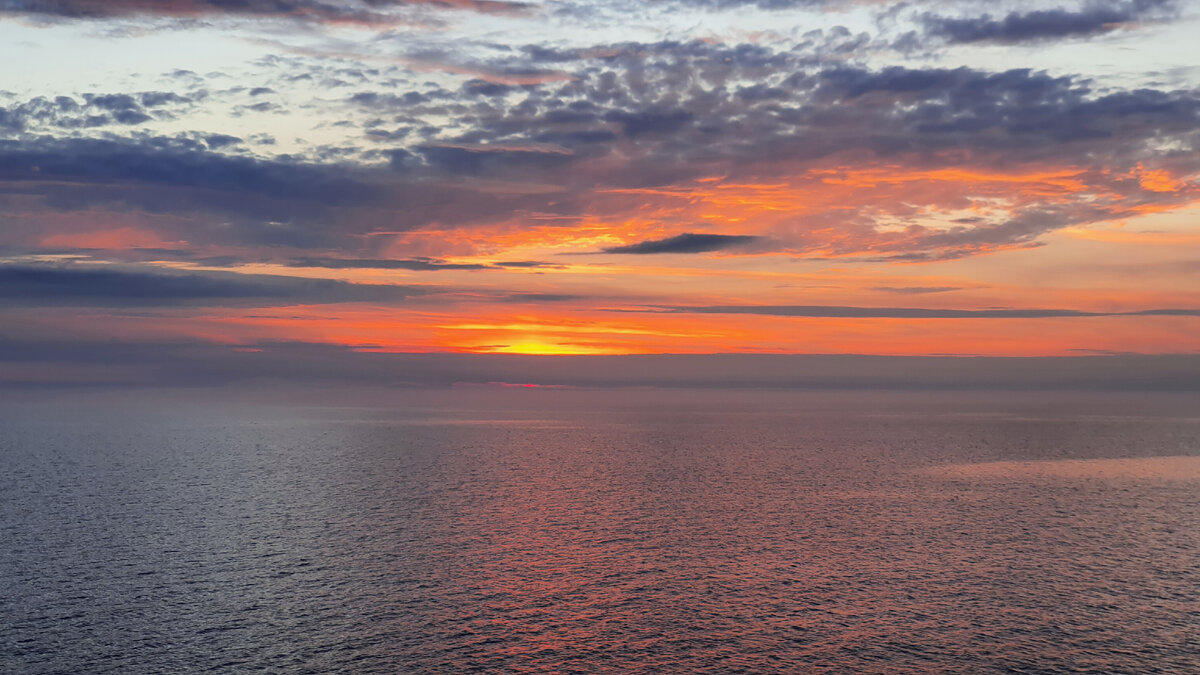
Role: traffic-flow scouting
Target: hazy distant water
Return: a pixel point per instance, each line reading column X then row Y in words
column 626, row 532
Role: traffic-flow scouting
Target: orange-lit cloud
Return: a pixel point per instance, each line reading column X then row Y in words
column 117, row 239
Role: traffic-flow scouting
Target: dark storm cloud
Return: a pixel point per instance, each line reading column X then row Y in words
column 822, row 311
column 86, row 286
column 687, row 242
column 365, row 11
column 1093, row 18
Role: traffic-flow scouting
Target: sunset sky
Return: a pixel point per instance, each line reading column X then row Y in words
column 932, row 177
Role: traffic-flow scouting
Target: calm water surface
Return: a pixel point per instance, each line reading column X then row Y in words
column 577, row 533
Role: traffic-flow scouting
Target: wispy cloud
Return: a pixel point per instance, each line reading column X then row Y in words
column 356, row 11
column 828, row 311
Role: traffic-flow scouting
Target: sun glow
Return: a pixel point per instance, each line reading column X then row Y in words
column 545, row 347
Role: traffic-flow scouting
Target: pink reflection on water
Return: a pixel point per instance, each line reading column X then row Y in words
column 1141, row 468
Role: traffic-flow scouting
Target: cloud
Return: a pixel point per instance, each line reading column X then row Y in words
column 767, row 5
column 195, row 363
column 67, row 113
column 210, row 196
column 339, row 11
column 916, row 290
column 747, row 110
column 1092, row 19
column 841, row 312
column 177, row 162
column 650, row 121
column 641, row 116
column 104, row 286
column 182, row 191
column 542, row 297
column 414, row 264
column 687, row 242
column 490, row 160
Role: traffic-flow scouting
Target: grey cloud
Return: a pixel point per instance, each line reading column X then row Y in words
column 735, row 106
column 644, row 122
column 741, row 103
column 632, row 115
column 542, row 297
column 105, row 286
column 686, row 243
column 365, row 11
column 916, row 290
column 526, row 264
column 216, row 141
column 1093, row 18
column 371, row 99
column 224, row 198
column 277, row 190
column 483, row 160
column 415, row 264
column 66, row 113
column 768, row 5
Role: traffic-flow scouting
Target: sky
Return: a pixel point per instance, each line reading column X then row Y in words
column 194, row 186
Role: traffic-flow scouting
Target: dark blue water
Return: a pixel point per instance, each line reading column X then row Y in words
column 576, row 532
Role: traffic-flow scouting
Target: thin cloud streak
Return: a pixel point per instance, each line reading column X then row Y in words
column 104, row 286
column 687, row 242
column 819, row 311
column 335, row 11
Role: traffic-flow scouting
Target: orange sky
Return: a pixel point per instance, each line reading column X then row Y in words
column 620, row 196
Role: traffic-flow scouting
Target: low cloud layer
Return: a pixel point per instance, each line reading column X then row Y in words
column 295, row 364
